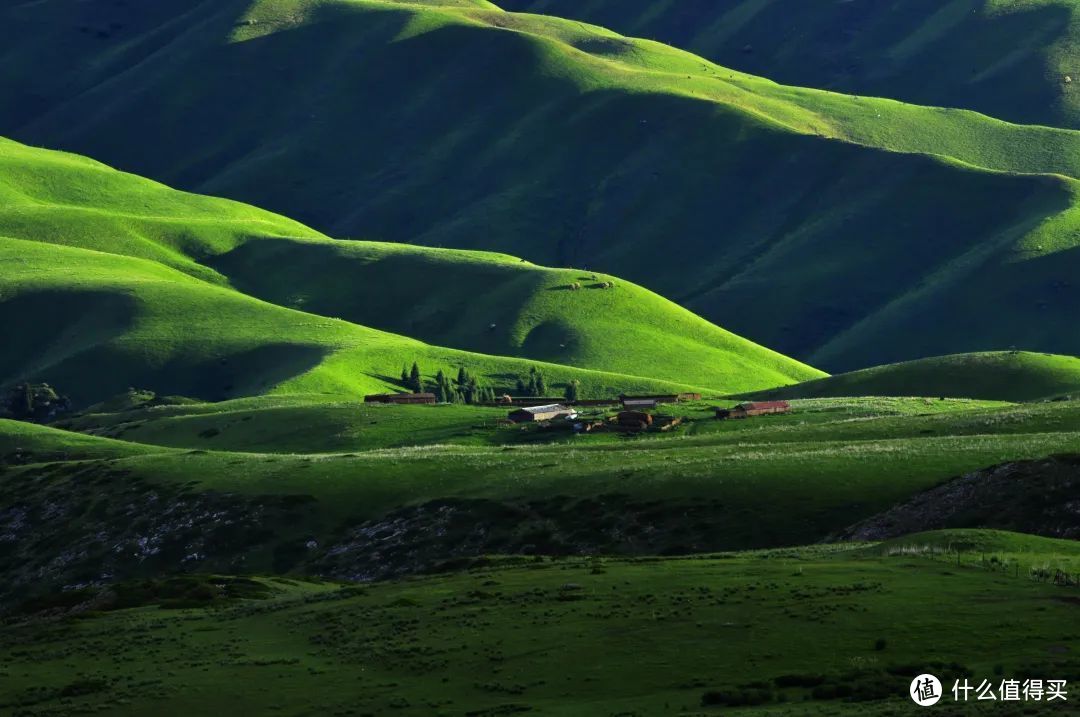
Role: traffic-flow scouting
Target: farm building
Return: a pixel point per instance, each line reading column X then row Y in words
column 748, row 410
column 689, row 396
column 634, row 420
column 655, row 398
column 541, row 413
column 639, row 404
column 530, row 401
column 597, row 402
column 401, row 398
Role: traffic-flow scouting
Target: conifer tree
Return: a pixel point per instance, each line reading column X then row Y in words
column 572, row 390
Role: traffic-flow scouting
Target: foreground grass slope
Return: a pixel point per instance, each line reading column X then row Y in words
column 813, row 631
column 746, row 202
column 1006, row 376
column 923, row 51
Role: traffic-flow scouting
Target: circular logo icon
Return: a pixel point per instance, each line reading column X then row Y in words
column 925, row 690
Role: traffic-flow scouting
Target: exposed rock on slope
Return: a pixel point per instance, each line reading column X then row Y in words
column 1040, row 497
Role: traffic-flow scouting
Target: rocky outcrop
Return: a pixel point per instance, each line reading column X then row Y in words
column 1040, row 497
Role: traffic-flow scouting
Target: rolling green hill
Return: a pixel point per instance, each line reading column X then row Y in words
column 113, row 276
column 812, row 223
column 1005, row 376
column 497, row 304
column 1004, row 58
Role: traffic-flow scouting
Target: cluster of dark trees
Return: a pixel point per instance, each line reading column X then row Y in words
column 572, row 390
column 466, row 388
column 33, row 402
column 534, row 385
column 412, row 379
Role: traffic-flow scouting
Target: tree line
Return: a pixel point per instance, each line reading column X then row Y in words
column 33, row 402
column 467, row 388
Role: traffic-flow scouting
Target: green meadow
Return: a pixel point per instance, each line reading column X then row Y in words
column 1002, row 375
column 787, row 480
column 150, row 282
column 824, row 226
column 817, row 631
column 224, row 225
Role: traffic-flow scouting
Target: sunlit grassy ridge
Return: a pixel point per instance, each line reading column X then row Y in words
column 1001, row 57
column 500, row 305
column 100, row 257
column 1005, row 375
column 107, row 322
column 812, row 223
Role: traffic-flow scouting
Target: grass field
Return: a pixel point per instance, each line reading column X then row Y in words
column 817, row 631
column 1006, row 376
column 218, row 522
column 925, row 51
column 108, row 269
column 455, row 483
column 824, row 226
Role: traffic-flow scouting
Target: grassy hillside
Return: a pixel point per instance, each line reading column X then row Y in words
column 923, row 51
column 1005, row 376
column 796, row 479
column 1030, row 551
column 107, row 322
column 799, row 219
column 774, row 632
column 497, row 304
column 120, row 259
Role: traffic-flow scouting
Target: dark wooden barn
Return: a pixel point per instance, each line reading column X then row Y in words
column 749, row 410
column 535, row 414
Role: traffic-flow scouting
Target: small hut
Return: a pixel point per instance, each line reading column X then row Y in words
column 749, row 410
column 639, row 404
column 655, row 398
column 634, row 420
column 536, row 414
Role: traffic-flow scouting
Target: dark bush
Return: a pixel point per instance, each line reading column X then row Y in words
column 799, row 680
column 736, row 697
column 79, row 688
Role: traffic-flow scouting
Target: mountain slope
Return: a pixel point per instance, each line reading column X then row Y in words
column 496, row 304
column 1004, row 376
column 105, row 322
column 1004, row 58
column 111, row 271
column 798, row 219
